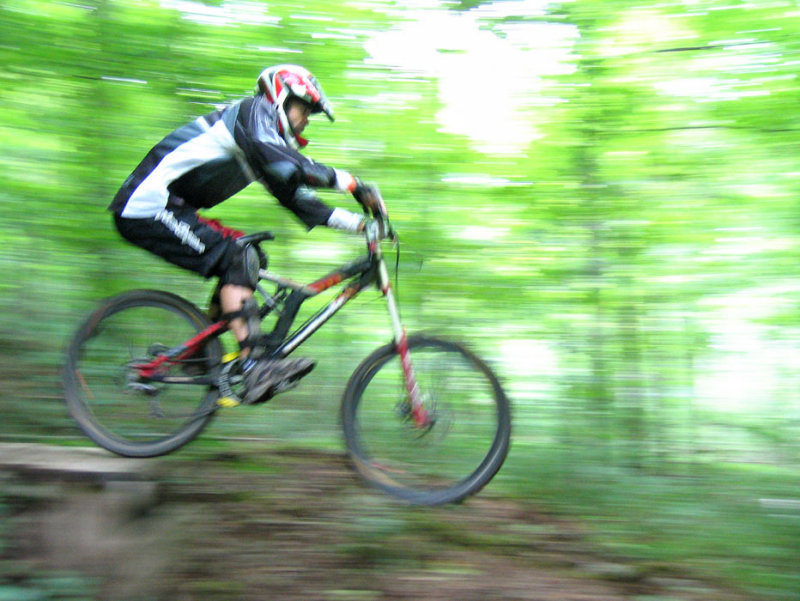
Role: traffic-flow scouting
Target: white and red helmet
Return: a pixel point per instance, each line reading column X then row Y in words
column 282, row 82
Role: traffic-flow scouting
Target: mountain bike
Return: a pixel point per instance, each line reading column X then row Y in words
column 424, row 418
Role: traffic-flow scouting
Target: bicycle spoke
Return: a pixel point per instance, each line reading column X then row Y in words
column 113, row 400
column 444, row 458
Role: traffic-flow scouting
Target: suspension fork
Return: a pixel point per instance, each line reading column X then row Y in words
column 418, row 412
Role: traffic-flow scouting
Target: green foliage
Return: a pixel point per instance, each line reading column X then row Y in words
column 631, row 272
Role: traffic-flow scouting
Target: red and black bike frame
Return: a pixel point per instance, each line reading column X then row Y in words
column 358, row 275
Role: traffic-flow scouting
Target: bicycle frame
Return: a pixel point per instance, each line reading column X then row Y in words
column 359, row 274
column 279, row 343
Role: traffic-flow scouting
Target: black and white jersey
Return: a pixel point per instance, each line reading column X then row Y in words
column 217, row 155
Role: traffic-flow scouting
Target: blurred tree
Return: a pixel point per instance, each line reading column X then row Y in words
column 632, row 272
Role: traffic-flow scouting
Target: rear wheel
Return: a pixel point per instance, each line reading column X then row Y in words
column 462, row 447
column 112, row 404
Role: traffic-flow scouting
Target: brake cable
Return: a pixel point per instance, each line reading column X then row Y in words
column 397, row 267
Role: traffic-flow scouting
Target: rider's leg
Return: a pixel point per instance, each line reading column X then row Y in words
column 265, row 376
column 181, row 237
column 232, row 297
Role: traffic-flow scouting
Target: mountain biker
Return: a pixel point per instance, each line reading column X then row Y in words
column 212, row 158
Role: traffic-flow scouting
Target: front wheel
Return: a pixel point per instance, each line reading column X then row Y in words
column 461, row 447
column 111, row 402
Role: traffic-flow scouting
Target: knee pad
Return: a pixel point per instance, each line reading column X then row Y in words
column 243, row 268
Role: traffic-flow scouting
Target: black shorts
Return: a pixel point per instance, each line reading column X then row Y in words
column 182, row 237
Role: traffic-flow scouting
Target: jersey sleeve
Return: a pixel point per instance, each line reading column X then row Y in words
column 287, row 174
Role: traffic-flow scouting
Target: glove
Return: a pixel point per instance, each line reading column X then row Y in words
column 369, row 197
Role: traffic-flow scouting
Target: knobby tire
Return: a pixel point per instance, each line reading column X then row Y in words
column 97, row 389
column 458, row 454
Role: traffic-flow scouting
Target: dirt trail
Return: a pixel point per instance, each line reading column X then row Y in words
column 300, row 526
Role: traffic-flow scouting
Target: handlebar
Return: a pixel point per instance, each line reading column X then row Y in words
column 378, row 227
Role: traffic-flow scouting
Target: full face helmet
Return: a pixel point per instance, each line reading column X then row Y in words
column 283, row 82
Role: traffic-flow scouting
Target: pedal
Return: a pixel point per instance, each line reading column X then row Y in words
column 228, row 357
column 228, row 402
column 229, row 382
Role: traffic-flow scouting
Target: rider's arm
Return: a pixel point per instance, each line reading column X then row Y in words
column 292, row 187
column 288, row 174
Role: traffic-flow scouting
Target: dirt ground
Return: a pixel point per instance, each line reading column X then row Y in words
column 299, row 526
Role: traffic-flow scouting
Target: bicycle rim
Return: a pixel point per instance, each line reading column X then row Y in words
column 120, row 413
column 458, row 453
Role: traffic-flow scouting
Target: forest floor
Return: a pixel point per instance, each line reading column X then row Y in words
column 297, row 525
